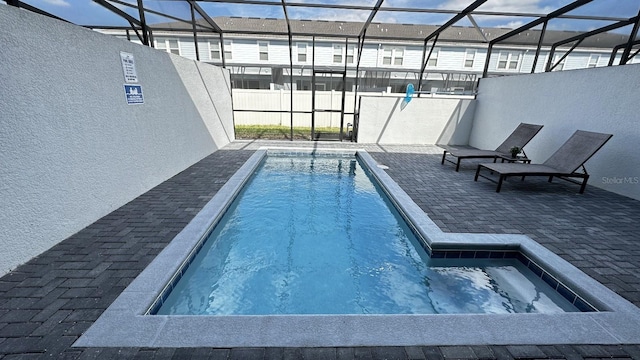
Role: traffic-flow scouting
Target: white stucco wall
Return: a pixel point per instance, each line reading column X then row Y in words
column 71, row 149
column 422, row 121
column 600, row 99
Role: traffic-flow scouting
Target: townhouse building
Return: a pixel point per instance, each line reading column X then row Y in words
column 391, row 56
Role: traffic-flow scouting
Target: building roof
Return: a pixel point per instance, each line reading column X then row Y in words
column 392, row 32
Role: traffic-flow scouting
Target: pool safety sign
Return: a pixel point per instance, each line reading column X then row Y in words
column 133, row 93
column 129, row 67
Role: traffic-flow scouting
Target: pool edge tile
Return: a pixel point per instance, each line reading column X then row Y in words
column 619, row 310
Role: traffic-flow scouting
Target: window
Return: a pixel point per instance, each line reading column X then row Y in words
column 386, row 56
column 302, row 52
column 263, row 49
column 214, row 50
column 174, row 47
column 168, row 45
column 351, row 50
column 161, row 44
column 303, row 84
column 560, row 65
column 433, row 59
column 593, row 61
column 398, row 56
column 508, row 60
column 392, row 56
column 227, row 50
column 469, row 57
column 337, row 54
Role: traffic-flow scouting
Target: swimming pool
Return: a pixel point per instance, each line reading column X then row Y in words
column 127, row 321
column 316, row 235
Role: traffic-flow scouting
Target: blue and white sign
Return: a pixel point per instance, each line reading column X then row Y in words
column 133, row 93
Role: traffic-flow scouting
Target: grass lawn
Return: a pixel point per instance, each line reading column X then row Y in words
column 274, row 132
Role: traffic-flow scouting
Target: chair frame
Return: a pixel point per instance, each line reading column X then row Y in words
column 501, row 150
column 563, row 176
column 550, row 171
column 457, row 163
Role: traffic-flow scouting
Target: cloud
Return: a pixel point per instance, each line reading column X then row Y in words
column 328, row 14
column 513, row 6
column 536, row 7
column 511, row 24
column 57, row 2
column 398, row 3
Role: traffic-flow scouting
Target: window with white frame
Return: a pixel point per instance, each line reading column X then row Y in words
column 398, row 56
column 302, row 52
column 161, row 44
column 263, row 49
column 168, row 45
column 392, row 55
column 228, row 53
column 214, row 50
column 433, row 59
column 593, row 61
column 351, row 50
column 469, row 58
column 509, row 60
column 340, row 55
column 556, row 60
column 337, row 53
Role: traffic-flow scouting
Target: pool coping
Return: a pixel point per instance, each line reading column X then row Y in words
column 125, row 324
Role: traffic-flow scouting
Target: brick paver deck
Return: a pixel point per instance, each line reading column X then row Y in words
column 47, row 303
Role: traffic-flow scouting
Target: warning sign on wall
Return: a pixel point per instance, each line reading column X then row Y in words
column 129, row 67
column 133, row 93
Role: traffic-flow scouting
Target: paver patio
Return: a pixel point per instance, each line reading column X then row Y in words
column 47, row 303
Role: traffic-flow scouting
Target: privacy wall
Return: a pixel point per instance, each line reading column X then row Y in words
column 383, row 120
column 598, row 99
column 73, row 145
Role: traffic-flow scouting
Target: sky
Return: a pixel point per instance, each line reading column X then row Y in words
column 87, row 12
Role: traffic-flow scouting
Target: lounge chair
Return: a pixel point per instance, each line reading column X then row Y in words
column 519, row 137
column 563, row 163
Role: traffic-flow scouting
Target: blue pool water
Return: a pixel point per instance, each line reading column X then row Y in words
column 315, row 235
